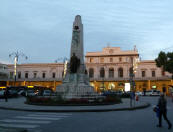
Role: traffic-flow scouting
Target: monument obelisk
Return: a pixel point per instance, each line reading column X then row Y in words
column 76, row 81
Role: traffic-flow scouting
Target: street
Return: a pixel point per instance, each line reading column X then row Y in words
column 118, row 121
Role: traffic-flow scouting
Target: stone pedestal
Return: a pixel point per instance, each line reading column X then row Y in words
column 76, row 85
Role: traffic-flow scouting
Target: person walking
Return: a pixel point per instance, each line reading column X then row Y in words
column 6, row 93
column 162, row 104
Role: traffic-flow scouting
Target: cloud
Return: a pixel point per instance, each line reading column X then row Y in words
column 43, row 29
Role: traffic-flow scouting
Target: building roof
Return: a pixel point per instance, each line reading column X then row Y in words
column 112, row 51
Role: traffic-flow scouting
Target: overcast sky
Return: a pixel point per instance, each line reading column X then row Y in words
column 42, row 29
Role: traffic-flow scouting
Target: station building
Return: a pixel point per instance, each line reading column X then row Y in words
column 109, row 69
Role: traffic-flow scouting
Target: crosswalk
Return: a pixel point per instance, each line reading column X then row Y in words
column 33, row 120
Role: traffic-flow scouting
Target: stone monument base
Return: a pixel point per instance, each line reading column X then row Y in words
column 73, row 88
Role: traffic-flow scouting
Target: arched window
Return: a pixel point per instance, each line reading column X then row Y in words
column 111, row 72
column 120, row 72
column 102, row 72
column 91, row 72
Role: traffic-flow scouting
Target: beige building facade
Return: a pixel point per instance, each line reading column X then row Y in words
column 108, row 69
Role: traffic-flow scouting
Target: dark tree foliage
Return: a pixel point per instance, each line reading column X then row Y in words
column 165, row 61
column 169, row 64
column 161, row 60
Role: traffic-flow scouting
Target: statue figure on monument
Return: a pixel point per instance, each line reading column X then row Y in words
column 74, row 63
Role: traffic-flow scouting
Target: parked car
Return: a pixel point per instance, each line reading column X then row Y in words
column 155, row 93
column 148, row 93
column 138, row 93
column 47, row 93
column 30, row 93
column 12, row 93
column 2, row 93
column 119, row 93
column 22, row 92
column 152, row 93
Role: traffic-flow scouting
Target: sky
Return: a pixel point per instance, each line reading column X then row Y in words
column 42, row 29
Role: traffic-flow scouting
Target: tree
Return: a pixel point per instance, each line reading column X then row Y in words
column 165, row 61
column 169, row 64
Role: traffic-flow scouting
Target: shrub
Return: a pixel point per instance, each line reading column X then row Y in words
column 112, row 98
column 125, row 95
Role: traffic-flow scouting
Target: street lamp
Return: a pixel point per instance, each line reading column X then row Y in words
column 133, row 69
column 16, row 56
column 65, row 61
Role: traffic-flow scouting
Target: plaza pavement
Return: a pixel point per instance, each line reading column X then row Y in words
column 18, row 104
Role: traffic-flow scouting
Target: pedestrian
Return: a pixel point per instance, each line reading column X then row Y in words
column 162, row 104
column 6, row 93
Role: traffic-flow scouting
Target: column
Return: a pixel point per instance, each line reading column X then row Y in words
column 149, row 85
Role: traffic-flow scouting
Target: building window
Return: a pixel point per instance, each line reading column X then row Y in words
column 111, row 72
column 53, row 75
column 11, row 75
column 102, row 60
column 19, row 75
column 102, row 72
column 91, row 72
column 111, row 59
column 120, row 59
column 143, row 73
column 120, row 72
column 26, row 75
column 35, row 75
column 153, row 73
column 91, row 60
column 43, row 75
column 127, row 59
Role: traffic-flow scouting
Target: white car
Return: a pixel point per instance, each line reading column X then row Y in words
column 155, row 93
column 148, row 93
column 138, row 93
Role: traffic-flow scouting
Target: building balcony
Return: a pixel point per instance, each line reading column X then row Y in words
column 91, row 79
column 35, row 79
column 128, row 78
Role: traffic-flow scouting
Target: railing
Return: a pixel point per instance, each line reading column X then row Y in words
column 128, row 78
column 33, row 79
column 91, row 79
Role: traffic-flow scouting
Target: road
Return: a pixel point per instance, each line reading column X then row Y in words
column 116, row 121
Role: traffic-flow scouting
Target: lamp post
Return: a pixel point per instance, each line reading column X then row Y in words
column 16, row 56
column 134, row 62
column 65, row 62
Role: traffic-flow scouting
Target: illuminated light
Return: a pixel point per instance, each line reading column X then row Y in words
column 154, row 86
column 30, row 86
column 127, row 87
column 111, row 86
column 2, row 87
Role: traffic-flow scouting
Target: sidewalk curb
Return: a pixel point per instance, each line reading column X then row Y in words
column 5, row 129
column 84, row 110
